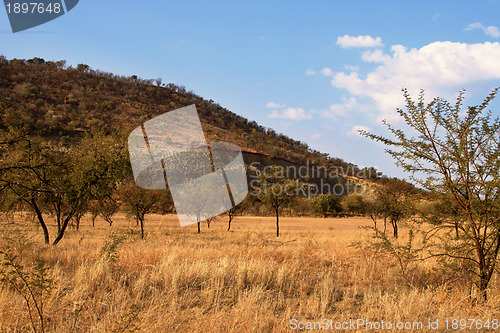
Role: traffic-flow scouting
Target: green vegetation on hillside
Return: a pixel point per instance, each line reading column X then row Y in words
column 59, row 101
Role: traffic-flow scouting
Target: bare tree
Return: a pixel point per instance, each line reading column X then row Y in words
column 232, row 213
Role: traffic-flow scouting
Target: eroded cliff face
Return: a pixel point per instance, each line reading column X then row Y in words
column 321, row 179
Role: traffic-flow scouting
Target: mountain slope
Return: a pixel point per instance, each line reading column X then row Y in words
column 64, row 102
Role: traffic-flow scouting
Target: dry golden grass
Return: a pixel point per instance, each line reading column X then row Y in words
column 246, row 280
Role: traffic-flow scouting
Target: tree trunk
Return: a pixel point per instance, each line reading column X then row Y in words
column 229, row 224
column 277, row 224
column 483, row 285
column 199, row 230
column 78, row 218
column 142, row 228
column 395, row 227
column 58, row 213
column 385, row 224
column 42, row 222
column 59, row 226
column 60, row 234
column 374, row 219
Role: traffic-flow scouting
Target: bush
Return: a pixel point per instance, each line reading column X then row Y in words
column 354, row 204
column 325, row 204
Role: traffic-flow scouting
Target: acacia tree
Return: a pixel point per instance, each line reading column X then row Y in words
column 139, row 202
column 209, row 221
column 455, row 155
column 276, row 190
column 54, row 179
column 107, row 208
column 395, row 201
column 375, row 211
column 232, row 213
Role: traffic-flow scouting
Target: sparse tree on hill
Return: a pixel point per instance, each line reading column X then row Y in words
column 456, row 154
column 82, row 67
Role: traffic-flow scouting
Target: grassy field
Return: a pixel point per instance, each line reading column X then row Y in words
column 106, row 279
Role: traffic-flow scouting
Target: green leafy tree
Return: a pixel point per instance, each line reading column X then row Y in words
column 354, row 204
column 325, row 204
column 57, row 180
column 455, row 155
column 395, row 200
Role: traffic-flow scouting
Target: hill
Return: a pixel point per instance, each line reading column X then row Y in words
column 62, row 102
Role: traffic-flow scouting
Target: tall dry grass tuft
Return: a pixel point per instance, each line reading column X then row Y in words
column 109, row 280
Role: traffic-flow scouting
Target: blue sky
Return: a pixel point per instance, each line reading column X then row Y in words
column 314, row 70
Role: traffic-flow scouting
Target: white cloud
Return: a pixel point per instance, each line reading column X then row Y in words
column 440, row 68
column 342, row 109
column 272, row 105
column 326, row 71
column 491, row 31
column 351, row 68
column 376, row 56
column 356, row 128
column 291, row 113
column 310, row 72
column 315, row 136
column 359, row 41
